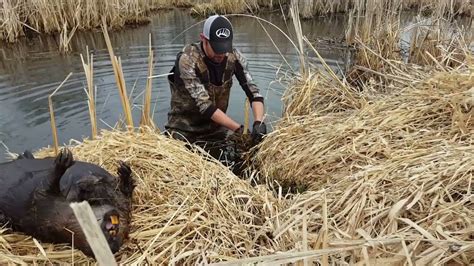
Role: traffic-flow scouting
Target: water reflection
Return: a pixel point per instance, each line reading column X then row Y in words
column 32, row 68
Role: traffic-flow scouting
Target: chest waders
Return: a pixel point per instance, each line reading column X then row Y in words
column 184, row 118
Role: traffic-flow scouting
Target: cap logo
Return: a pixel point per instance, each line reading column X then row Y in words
column 223, row 33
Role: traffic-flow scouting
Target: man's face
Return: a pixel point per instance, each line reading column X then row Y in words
column 216, row 58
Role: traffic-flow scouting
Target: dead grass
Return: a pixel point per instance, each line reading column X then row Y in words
column 188, row 208
column 437, row 42
column 388, row 172
column 397, row 165
column 43, row 16
column 224, row 7
column 390, row 163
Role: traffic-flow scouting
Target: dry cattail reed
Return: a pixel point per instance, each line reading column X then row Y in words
column 89, row 72
column 52, row 117
column 119, row 78
column 246, row 115
column 146, row 117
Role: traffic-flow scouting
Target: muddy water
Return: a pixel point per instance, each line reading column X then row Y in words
column 31, row 69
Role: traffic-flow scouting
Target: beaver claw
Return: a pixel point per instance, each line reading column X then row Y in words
column 26, row 155
column 124, row 170
column 64, row 159
column 127, row 184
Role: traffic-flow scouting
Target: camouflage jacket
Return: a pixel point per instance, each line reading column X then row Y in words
column 194, row 98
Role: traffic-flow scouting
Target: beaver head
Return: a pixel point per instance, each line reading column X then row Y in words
column 109, row 219
column 109, row 196
column 63, row 180
column 53, row 220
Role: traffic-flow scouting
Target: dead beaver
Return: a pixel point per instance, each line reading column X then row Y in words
column 35, row 195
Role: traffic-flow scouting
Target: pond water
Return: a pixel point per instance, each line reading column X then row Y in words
column 32, row 68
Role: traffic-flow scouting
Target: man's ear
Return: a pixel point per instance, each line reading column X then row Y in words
column 202, row 37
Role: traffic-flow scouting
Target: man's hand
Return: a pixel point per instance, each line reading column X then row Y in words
column 258, row 132
column 237, row 134
column 239, row 130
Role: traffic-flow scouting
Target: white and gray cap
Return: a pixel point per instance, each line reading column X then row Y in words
column 218, row 30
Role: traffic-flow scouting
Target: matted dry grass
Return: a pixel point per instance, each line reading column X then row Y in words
column 398, row 165
column 187, row 208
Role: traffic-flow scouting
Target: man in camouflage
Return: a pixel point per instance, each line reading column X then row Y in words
column 201, row 83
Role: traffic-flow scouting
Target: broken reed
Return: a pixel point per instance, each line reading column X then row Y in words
column 53, row 118
column 119, row 78
column 91, row 93
column 246, row 115
column 376, row 36
column 146, row 119
column 65, row 39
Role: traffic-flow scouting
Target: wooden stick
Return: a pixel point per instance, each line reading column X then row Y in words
column 94, row 235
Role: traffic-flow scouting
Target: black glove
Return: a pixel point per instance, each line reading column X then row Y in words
column 259, row 130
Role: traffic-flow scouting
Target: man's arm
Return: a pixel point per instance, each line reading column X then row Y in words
column 258, row 111
column 224, row 120
column 248, row 85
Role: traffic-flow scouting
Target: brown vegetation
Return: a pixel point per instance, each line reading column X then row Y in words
column 388, row 169
column 42, row 16
column 389, row 162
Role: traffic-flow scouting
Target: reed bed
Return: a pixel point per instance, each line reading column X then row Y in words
column 439, row 44
column 19, row 16
column 380, row 53
column 392, row 165
column 224, row 7
column 187, row 208
column 311, row 8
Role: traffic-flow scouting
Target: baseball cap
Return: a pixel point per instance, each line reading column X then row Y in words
column 218, row 30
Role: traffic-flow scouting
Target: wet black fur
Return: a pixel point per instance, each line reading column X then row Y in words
column 35, row 195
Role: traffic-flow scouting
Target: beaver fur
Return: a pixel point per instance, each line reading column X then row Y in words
column 35, row 195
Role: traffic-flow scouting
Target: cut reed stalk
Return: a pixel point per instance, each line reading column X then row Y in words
column 65, row 39
column 117, row 66
column 299, row 36
column 89, row 72
column 52, row 117
column 246, row 116
column 146, row 117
